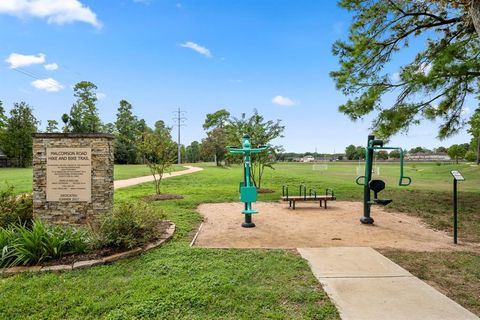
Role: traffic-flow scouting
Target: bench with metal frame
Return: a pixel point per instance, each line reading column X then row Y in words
column 312, row 196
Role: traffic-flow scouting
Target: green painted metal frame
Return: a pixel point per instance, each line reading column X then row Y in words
column 373, row 145
column 248, row 192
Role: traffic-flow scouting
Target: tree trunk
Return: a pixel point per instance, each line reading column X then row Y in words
column 478, row 151
column 475, row 14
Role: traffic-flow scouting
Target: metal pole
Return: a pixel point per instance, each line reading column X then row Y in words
column 366, row 219
column 179, row 154
column 455, row 224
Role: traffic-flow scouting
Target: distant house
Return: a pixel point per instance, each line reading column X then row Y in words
column 308, row 159
column 427, row 157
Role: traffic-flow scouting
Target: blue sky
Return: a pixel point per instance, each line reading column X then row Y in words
column 201, row 56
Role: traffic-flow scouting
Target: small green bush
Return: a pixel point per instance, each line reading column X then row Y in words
column 471, row 156
column 15, row 208
column 21, row 245
column 128, row 225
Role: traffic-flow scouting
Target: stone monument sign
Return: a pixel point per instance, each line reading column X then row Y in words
column 72, row 176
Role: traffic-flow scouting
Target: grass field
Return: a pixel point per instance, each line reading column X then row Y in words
column 179, row 282
column 21, row 178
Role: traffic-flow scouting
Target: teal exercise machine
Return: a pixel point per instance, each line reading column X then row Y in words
column 248, row 192
column 376, row 185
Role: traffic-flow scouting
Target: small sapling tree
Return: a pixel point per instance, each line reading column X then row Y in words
column 159, row 152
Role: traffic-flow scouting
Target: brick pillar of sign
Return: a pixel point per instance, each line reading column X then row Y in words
column 80, row 169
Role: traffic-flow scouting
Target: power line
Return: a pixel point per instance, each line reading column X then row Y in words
column 180, row 119
column 37, row 77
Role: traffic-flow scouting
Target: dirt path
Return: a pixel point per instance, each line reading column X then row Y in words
column 311, row 226
column 134, row 181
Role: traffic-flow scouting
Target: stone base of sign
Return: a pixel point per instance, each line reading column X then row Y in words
column 165, row 236
column 98, row 182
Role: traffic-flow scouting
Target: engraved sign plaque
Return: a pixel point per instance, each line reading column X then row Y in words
column 69, row 174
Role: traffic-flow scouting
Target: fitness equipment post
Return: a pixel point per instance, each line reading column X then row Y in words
column 248, row 192
column 376, row 185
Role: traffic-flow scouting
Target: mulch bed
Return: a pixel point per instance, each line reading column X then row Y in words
column 101, row 253
column 161, row 197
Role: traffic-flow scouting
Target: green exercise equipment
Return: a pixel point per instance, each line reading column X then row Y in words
column 376, row 185
column 248, row 192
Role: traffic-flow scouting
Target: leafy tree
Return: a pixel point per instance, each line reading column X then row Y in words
column 3, row 117
column 434, row 85
column 16, row 140
column 360, row 153
column 83, row 117
column 52, row 126
column 65, row 120
column 216, row 142
column 215, row 145
column 351, row 152
column 474, row 130
column 159, row 152
column 261, row 133
column 456, row 152
column 417, row 150
column 193, row 152
column 394, row 154
column 470, row 156
column 441, row 150
column 217, row 119
column 109, row 128
column 382, row 155
column 127, row 129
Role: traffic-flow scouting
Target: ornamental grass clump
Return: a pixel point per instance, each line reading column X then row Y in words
column 127, row 226
column 22, row 245
column 15, row 208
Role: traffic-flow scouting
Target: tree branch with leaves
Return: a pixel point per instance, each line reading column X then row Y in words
column 433, row 86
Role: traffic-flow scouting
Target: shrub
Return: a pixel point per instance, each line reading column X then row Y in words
column 471, row 156
column 128, row 225
column 15, row 208
column 21, row 245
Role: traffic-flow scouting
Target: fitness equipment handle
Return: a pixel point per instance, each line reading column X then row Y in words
column 401, row 183
column 358, row 178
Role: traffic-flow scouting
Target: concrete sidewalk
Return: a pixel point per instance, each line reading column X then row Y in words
column 134, row 181
column 365, row 285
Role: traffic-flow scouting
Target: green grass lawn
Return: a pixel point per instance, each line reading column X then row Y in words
column 179, row 282
column 176, row 281
column 21, row 178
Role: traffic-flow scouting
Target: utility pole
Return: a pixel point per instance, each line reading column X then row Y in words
column 180, row 120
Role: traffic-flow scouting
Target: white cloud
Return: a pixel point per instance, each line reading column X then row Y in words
column 466, row 111
column 55, row 11
column 16, row 60
column 51, row 66
column 198, row 48
column 283, row 101
column 49, row 85
column 101, row 95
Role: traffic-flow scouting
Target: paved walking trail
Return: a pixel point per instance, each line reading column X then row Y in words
column 365, row 285
column 134, row 181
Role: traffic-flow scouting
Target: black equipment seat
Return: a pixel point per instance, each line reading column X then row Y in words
column 376, row 186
